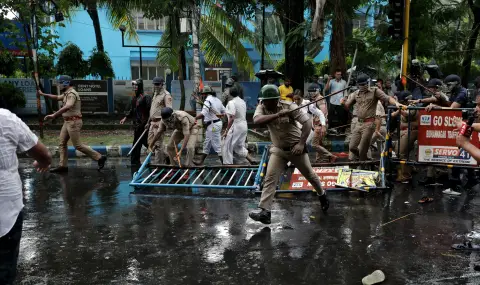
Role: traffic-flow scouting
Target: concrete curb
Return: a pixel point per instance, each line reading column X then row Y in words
column 122, row 150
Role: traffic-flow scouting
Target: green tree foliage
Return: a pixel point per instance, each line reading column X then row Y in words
column 309, row 67
column 71, row 62
column 100, row 64
column 12, row 96
column 8, row 63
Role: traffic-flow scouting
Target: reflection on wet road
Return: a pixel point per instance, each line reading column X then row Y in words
column 86, row 227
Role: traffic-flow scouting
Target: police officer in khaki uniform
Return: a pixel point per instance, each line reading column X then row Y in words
column 289, row 144
column 366, row 99
column 184, row 127
column 161, row 99
column 72, row 116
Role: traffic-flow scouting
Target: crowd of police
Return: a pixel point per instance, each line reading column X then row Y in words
column 293, row 120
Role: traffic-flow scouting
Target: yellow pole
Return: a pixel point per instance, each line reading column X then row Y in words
column 405, row 43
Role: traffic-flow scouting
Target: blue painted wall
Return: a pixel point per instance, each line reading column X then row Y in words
column 79, row 30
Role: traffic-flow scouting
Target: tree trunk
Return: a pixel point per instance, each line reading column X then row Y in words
column 294, row 55
column 318, row 22
column 181, row 63
column 472, row 41
column 337, row 43
column 181, row 76
column 92, row 11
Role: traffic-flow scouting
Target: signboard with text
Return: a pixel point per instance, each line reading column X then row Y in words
column 437, row 139
column 94, row 95
column 28, row 88
column 328, row 176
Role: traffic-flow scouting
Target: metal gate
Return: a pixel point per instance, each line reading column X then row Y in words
column 207, row 177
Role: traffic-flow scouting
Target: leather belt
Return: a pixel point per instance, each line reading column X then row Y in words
column 367, row 120
column 72, row 118
column 156, row 119
column 211, row 122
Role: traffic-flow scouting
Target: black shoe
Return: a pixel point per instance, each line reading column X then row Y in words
column 324, row 202
column 60, row 169
column 101, row 162
column 264, row 216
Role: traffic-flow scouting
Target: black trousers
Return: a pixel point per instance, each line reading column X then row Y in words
column 337, row 116
column 138, row 131
column 9, row 249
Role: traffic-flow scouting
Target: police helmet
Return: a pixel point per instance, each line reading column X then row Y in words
column 362, row 79
column 64, row 80
column 269, row 91
column 434, row 82
column 207, row 90
column 166, row 113
column 452, row 78
column 158, row 80
column 403, row 96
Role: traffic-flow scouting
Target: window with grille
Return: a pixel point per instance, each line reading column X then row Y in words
column 143, row 23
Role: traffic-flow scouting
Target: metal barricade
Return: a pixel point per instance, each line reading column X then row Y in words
column 423, row 120
column 208, row 177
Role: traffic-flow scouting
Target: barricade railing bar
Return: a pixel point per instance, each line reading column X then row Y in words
column 244, row 177
column 386, row 156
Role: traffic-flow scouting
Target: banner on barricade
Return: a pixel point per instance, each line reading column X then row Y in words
column 437, row 138
column 328, row 177
column 356, row 179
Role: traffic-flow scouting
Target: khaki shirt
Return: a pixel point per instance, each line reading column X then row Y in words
column 72, row 98
column 381, row 113
column 284, row 131
column 160, row 101
column 367, row 102
column 182, row 121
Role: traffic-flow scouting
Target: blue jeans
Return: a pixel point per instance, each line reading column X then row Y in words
column 9, row 249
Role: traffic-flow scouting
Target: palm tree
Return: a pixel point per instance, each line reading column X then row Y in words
column 119, row 13
column 221, row 37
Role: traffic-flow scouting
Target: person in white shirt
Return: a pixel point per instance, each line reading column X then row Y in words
column 14, row 136
column 212, row 111
column 338, row 115
column 319, row 130
column 237, row 129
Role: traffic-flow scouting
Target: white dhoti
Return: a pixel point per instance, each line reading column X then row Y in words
column 213, row 138
column 234, row 143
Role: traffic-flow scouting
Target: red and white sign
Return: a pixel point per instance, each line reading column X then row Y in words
column 328, row 176
column 437, row 139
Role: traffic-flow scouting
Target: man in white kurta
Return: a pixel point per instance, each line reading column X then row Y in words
column 237, row 129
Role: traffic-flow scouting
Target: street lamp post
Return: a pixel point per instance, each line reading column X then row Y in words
column 123, row 29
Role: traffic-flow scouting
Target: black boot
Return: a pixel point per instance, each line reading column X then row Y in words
column 202, row 159
column 324, row 202
column 60, row 169
column 263, row 216
column 101, row 162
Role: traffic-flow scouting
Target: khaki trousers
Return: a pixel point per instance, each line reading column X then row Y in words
column 276, row 166
column 177, row 137
column 361, row 140
column 404, row 146
column 322, row 155
column 353, row 125
column 71, row 131
column 159, row 155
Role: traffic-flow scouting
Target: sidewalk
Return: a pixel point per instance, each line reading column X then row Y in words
column 123, row 150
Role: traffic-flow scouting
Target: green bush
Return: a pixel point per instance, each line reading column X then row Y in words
column 11, row 96
column 8, row 63
column 71, row 62
column 308, row 67
column 100, row 64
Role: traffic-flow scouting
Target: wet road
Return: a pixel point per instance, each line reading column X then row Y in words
column 87, row 227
